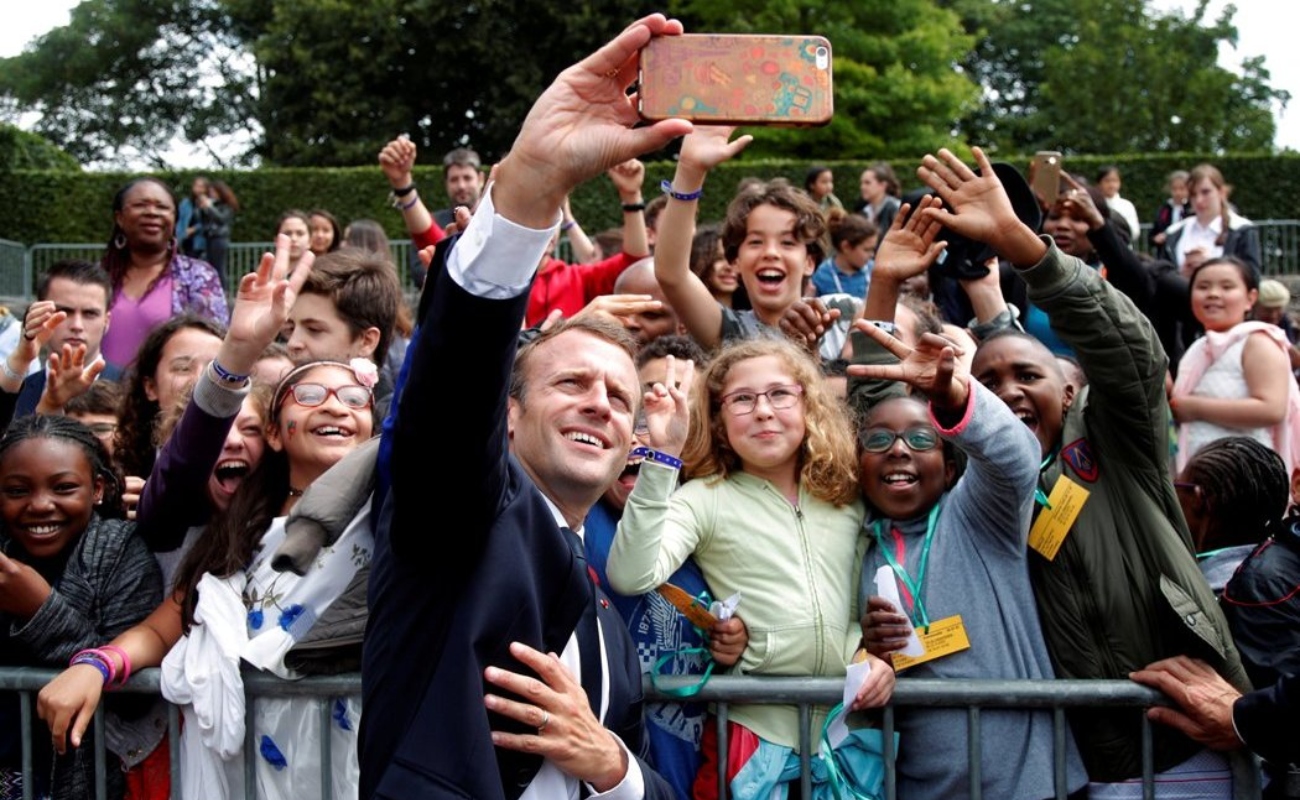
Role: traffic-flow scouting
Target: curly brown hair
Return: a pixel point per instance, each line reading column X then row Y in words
column 828, row 464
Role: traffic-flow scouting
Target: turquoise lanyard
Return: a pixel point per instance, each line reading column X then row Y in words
column 1040, row 497
column 686, row 691
column 916, row 587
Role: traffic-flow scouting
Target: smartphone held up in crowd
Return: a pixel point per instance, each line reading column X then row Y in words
column 737, row 79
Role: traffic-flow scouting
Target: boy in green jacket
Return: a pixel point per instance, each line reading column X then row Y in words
column 1114, row 575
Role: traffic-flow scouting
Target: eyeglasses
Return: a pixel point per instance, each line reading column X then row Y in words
column 881, row 440
column 103, row 428
column 311, row 395
column 744, row 402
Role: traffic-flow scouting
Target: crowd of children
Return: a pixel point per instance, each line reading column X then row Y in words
column 871, row 484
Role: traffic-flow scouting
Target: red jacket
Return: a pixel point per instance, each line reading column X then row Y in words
column 569, row 287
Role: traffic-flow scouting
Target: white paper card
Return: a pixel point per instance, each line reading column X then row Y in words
column 887, row 587
column 725, row 609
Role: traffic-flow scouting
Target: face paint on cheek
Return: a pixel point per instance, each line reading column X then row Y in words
column 292, row 429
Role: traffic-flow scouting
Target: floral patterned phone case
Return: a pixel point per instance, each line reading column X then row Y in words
column 737, row 79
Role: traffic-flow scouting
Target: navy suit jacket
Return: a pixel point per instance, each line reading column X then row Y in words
column 29, row 394
column 468, row 558
column 1267, row 718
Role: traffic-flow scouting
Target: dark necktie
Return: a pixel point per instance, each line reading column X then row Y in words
column 588, row 630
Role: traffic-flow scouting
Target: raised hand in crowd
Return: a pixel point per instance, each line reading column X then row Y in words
column 583, row 124
column 933, row 367
column 667, row 408
column 981, row 209
column 907, row 250
column 70, row 376
column 584, row 251
column 39, row 324
column 397, row 160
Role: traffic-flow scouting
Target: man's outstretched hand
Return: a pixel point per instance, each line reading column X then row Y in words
column 582, row 125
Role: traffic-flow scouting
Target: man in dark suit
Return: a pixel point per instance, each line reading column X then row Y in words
column 1215, row 714
column 81, row 290
column 496, row 669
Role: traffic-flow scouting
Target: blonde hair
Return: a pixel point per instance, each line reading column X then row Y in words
column 827, row 458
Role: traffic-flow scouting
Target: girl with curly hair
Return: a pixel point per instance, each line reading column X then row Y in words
column 771, row 512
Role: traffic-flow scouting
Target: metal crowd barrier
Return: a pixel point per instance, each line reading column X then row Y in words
column 973, row 696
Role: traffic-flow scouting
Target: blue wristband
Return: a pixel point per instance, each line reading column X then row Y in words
column 226, row 376
column 95, row 661
column 667, row 186
column 657, row 457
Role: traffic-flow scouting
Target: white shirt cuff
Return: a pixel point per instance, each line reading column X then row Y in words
column 496, row 258
column 632, row 787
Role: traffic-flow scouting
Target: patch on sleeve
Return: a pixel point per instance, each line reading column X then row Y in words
column 1079, row 456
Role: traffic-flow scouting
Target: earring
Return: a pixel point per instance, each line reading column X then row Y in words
column 119, row 241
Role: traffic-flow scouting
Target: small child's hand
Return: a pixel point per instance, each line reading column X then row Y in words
column 806, row 321
column 667, row 413
column 884, row 630
column 934, row 367
column 728, row 640
column 709, row 145
column 908, row 248
column 878, row 688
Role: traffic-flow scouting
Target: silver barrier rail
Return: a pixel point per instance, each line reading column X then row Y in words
column 974, row 696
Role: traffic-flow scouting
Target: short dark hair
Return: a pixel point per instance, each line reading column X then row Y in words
column 461, row 157
column 103, row 397
column 364, row 289
column 679, row 347
column 77, row 271
column 608, row 330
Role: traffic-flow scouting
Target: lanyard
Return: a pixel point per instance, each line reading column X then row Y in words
column 1040, row 497
column 662, row 661
column 922, row 619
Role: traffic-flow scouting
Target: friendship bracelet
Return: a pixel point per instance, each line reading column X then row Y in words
column 657, row 457
column 567, row 226
column 630, row 207
column 97, row 660
column 408, row 205
column 667, row 186
column 226, row 376
column 126, row 662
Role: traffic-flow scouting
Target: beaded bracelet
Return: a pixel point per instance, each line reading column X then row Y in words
column 657, row 457
column 98, row 660
column 667, row 186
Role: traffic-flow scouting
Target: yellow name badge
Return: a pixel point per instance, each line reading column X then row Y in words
column 1054, row 523
column 946, row 636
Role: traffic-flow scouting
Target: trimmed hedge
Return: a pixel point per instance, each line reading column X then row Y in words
column 46, row 206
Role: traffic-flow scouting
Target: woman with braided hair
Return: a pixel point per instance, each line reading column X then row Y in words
column 1233, row 493
column 72, row 574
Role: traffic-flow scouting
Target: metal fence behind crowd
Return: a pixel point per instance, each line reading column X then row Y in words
column 21, row 266
column 973, row 696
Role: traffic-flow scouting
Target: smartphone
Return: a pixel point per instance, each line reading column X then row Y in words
column 737, row 79
column 1046, row 172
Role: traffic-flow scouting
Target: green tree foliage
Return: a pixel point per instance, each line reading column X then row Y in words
column 1111, row 76
column 898, row 90
column 340, row 78
column 126, row 76
column 20, row 149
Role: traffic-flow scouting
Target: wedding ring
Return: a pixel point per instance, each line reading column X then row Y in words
column 546, row 720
